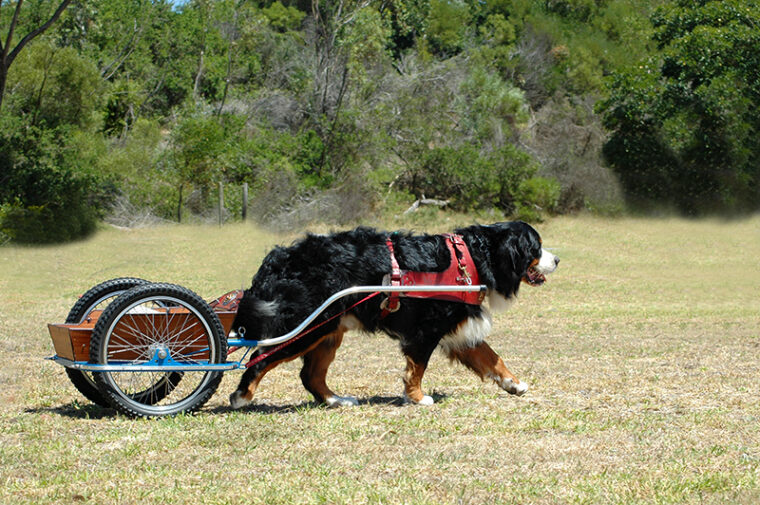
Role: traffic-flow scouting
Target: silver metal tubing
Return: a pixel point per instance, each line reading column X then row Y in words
column 367, row 289
column 148, row 366
column 235, row 340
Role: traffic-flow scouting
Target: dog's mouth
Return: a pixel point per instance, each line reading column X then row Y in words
column 534, row 277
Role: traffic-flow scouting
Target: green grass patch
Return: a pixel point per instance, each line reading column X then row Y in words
column 641, row 352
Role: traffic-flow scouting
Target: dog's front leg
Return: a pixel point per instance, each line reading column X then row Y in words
column 482, row 360
column 415, row 369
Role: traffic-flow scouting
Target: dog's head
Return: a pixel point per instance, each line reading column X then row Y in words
column 517, row 256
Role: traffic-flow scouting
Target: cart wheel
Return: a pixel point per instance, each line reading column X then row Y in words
column 165, row 320
column 97, row 297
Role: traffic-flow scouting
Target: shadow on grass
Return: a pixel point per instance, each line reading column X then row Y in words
column 76, row 410
column 266, row 408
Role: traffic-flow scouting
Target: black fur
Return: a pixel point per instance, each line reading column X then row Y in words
column 293, row 281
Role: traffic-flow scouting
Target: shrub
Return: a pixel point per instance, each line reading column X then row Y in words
column 447, row 25
column 567, row 138
column 41, row 224
column 684, row 124
column 536, row 195
column 471, row 179
column 51, row 190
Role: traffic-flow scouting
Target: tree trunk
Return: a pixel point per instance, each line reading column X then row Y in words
column 7, row 55
column 179, row 204
column 3, row 75
column 197, row 84
column 226, row 81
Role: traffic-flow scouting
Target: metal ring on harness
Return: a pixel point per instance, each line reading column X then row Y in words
column 384, row 305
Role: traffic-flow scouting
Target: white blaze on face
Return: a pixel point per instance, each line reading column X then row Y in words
column 547, row 264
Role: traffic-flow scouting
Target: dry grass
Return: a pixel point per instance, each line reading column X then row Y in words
column 642, row 353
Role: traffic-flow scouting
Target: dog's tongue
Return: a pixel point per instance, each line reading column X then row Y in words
column 535, row 278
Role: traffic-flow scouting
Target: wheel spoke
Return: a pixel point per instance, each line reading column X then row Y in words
column 149, row 319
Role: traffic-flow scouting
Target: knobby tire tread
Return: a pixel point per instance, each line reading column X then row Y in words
column 81, row 308
column 143, row 292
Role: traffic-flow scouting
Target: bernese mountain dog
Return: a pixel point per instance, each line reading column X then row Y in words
column 294, row 281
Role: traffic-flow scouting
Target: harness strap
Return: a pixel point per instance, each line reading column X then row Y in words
column 463, row 258
column 461, row 271
column 392, row 303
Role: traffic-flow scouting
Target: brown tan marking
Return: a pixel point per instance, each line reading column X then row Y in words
column 248, row 395
column 533, row 264
column 413, row 380
column 317, row 361
column 482, row 360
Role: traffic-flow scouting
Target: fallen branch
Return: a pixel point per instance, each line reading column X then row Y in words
column 426, row 201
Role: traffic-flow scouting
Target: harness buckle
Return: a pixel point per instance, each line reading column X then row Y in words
column 385, row 305
column 465, row 274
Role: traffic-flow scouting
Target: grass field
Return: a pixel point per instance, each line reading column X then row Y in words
column 642, row 352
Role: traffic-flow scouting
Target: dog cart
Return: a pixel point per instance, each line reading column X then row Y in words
column 156, row 349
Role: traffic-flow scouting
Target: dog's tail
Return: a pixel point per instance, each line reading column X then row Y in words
column 257, row 318
column 266, row 308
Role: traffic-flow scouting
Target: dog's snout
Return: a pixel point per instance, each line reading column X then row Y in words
column 556, row 261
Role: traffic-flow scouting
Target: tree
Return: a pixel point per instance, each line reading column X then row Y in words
column 7, row 55
column 331, row 67
column 684, row 125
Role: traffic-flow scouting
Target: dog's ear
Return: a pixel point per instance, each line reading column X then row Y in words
column 509, row 251
column 518, row 245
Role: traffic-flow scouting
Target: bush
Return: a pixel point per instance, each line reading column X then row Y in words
column 447, row 25
column 684, row 125
column 537, row 195
column 50, row 191
column 471, row 179
column 567, row 138
column 53, row 87
column 43, row 224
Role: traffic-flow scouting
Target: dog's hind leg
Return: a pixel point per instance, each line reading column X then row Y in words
column 243, row 395
column 314, row 371
column 482, row 360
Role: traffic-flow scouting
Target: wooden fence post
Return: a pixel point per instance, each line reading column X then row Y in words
column 221, row 204
column 245, row 201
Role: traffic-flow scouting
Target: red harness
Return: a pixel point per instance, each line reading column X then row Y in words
column 461, row 271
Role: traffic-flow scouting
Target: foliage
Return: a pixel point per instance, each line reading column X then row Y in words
column 54, row 86
column 470, row 179
column 568, row 138
column 49, row 190
column 447, row 25
column 683, row 125
column 536, row 195
column 283, row 18
column 327, row 108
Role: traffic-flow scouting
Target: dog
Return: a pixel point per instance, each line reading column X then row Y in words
column 294, row 281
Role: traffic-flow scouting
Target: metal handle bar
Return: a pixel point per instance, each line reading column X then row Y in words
column 155, row 365
column 241, row 342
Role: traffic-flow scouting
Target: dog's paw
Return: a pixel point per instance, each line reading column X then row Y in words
column 426, row 400
column 238, row 400
column 341, row 401
column 520, row 389
column 510, row 386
